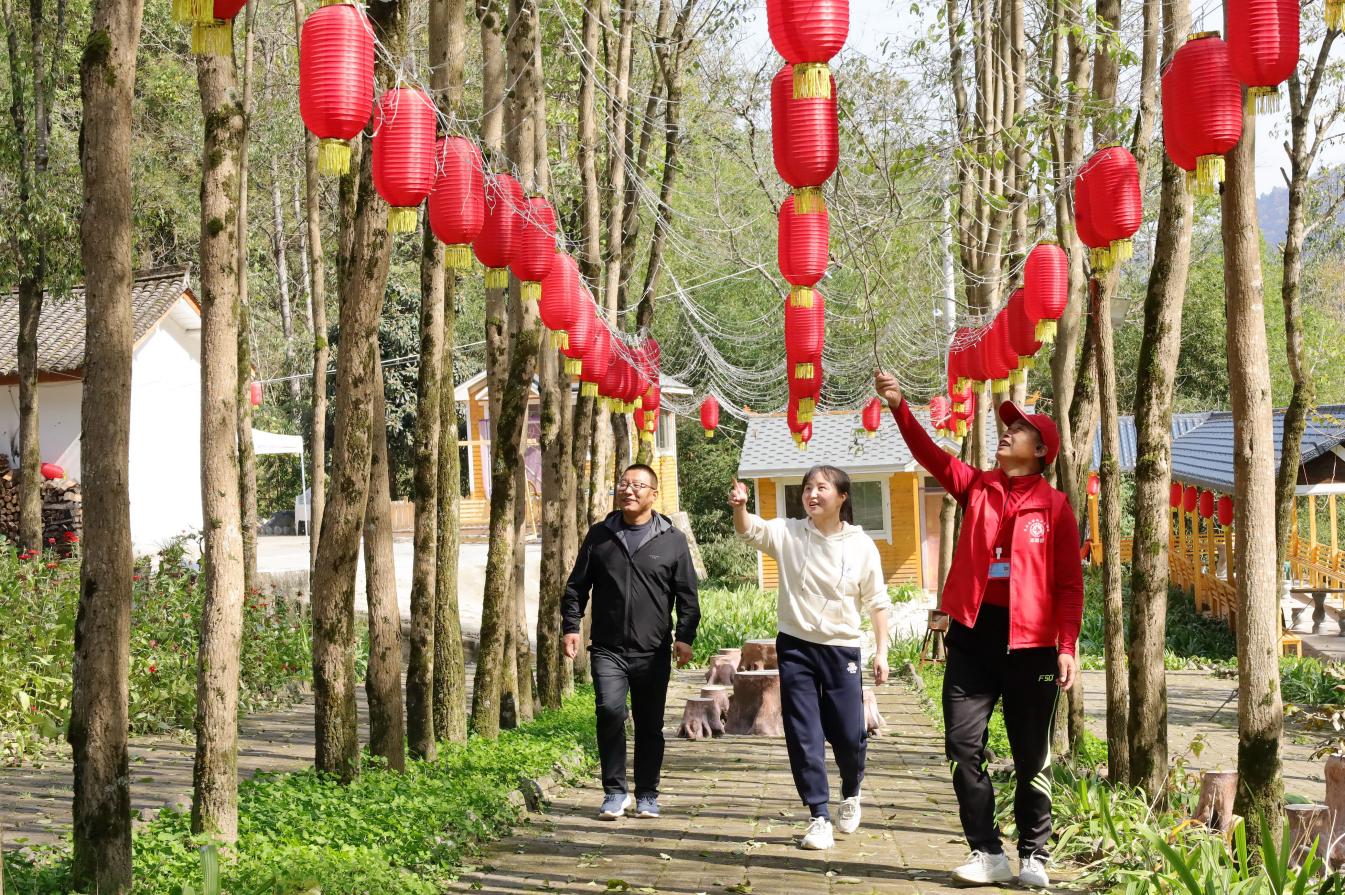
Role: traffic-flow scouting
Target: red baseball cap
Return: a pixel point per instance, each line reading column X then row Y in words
column 1010, row 413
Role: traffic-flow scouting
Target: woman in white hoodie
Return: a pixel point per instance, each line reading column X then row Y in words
column 830, row 572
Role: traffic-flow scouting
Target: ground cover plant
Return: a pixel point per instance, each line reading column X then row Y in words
column 1192, row 640
column 730, row 616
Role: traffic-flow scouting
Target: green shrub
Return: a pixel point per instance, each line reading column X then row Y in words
column 905, row 593
column 1308, row 681
column 39, row 600
column 731, row 616
column 395, row 834
column 1191, row 641
column 729, row 562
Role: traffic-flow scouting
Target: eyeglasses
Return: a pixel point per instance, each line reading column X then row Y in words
column 637, row 487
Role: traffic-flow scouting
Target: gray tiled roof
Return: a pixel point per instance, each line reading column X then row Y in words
column 60, row 333
column 1181, row 424
column 769, row 450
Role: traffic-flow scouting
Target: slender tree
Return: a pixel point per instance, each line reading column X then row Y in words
column 215, row 773
column 247, row 456
column 99, row 715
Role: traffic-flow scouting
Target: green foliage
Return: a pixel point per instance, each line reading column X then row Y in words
column 905, row 593
column 39, row 600
column 1191, row 641
column 731, row 616
column 1309, row 681
column 729, row 562
column 395, row 834
column 708, row 467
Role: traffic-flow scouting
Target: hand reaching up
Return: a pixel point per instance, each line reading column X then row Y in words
column 738, row 494
column 887, row 387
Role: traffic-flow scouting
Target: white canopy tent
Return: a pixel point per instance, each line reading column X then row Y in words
column 276, row 443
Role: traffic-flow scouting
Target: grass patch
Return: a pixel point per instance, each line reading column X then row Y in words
column 395, row 834
column 730, row 616
column 39, row 600
column 1192, row 641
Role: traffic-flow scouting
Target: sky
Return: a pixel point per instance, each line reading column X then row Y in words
column 874, row 22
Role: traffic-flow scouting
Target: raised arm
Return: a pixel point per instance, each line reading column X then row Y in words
column 954, row 475
column 760, row 533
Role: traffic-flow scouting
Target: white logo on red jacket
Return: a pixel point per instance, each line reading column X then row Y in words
column 1036, row 531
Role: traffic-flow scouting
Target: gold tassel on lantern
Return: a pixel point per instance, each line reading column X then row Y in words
column 1045, row 331
column 709, row 433
column 189, row 12
column 1335, row 12
column 803, row 371
column 402, row 220
column 800, row 296
column 589, row 389
column 497, row 278
column 1209, row 173
column 812, row 80
column 1262, row 101
column 1018, row 377
column 560, row 340
column 809, row 200
column 1122, row 250
column 530, row 291
column 573, row 367
column 1000, row 386
column 213, row 38
column 1100, row 258
column 458, row 257
column 333, row 158
column 961, row 428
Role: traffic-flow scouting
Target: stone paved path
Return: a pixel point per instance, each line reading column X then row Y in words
column 730, row 818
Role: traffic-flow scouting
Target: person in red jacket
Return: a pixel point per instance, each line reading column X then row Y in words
column 1014, row 597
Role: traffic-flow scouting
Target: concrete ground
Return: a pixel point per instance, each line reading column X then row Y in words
column 288, row 553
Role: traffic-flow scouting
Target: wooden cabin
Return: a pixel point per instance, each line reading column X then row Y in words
column 473, row 398
column 895, row 501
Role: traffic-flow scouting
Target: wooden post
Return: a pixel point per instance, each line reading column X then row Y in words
column 1312, row 520
column 1179, row 529
column 1212, row 550
column 1094, row 530
column 1331, row 509
column 1202, row 599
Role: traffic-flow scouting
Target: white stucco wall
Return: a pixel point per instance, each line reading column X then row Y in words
column 165, row 448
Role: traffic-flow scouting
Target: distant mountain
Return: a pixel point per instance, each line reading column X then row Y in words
column 1272, row 213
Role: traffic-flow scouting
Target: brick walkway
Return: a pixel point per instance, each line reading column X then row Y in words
column 731, row 818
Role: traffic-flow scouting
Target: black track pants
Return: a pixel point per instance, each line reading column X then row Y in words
column 980, row 672
column 645, row 677
column 822, row 701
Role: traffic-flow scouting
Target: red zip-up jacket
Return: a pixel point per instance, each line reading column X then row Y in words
column 1045, row 579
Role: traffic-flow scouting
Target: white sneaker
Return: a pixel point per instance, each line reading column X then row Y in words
column 614, row 805
column 847, row 819
column 1032, row 873
column 984, row 869
column 818, row 837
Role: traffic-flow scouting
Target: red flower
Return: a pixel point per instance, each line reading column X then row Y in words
column 70, row 537
column 153, row 669
column 136, row 577
column 51, row 540
column 53, row 565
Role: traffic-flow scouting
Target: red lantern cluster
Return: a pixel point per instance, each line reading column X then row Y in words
column 457, row 207
column 805, row 331
column 1206, row 504
column 1108, row 208
column 804, row 141
column 404, row 156
column 336, row 81
column 1263, row 46
column 1204, row 99
column 710, row 415
column 808, row 33
column 1225, row 510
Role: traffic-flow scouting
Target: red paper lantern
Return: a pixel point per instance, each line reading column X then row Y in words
column 1209, row 115
column 961, row 418
column 801, row 249
column 596, row 361
column 403, row 172
column 1022, row 333
column 1094, row 484
column 805, row 392
column 212, row 32
column 1175, row 495
column 872, row 416
column 535, row 252
column 804, row 141
column 808, row 33
column 579, row 337
column 255, row 394
column 1263, row 46
column 651, row 403
column 805, row 333
column 336, row 81
column 562, row 298
column 1114, row 200
column 1006, row 358
column 987, row 351
column 1207, row 504
column 1173, row 101
column 494, row 246
column 1099, row 255
column 1225, row 511
column 801, row 430
column 959, row 386
column 710, row 415
column 940, row 414
column 1189, row 498
column 457, row 208
column 52, row 471
column 1046, row 287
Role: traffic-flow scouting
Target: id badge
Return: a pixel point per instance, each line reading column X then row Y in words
column 999, row 570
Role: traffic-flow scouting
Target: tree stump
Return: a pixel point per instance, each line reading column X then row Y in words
column 721, row 670
column 755, row 709
column 757, row 655
column 1307, row 823
column 701, row 720
column 1335, row 807
column 1214, row 809
column 720, row 695
column 873, row 720
column 733, row 652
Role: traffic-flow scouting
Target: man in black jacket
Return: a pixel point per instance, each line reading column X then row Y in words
column 638, row 568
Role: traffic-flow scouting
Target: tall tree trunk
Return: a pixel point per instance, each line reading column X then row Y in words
column 429, row 394
column 448, row 38
column 1260, row 712
column 1160, row 345
column 98, row 704
column 383, row 682
column 30, row 449
column 247, row 457
column 316, row 280
column 496, row 618
column 586, row 454
column 215, row 772
column 364, row 273
column 283, row 280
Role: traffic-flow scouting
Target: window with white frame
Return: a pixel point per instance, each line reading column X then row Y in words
column 869, row 500
column 665, row 437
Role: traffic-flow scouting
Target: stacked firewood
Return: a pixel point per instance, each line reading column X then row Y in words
column 62, row 509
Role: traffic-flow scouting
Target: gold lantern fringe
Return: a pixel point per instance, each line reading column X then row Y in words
column 560, row 340
column 959, row 407
column 647, row 436
column 961, row 428
column 1209, row 173
column 530, row 291
column 809, row 200
column 189, row 12
column 458, row 257
column 637, row 404
column 1100, row 258
column 709, row 433
column 1045, row 331
column 497, row 277
column 803, row 371
column 1335, row 13
column 574, row 366
column 800, row 296
column 1000, row 386
column 812, row 80
column 1122, row 250
column 1262, row 100
column 332, row 2
column 963, row 383
column 870, row 433
column 402, row 219
column 1026, row 363
column 1019, row 376
column 333, row 157
column 589, row 389
column 213, row 38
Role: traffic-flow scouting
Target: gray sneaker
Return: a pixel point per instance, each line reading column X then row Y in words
column 615, row 805
column 646, row 806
